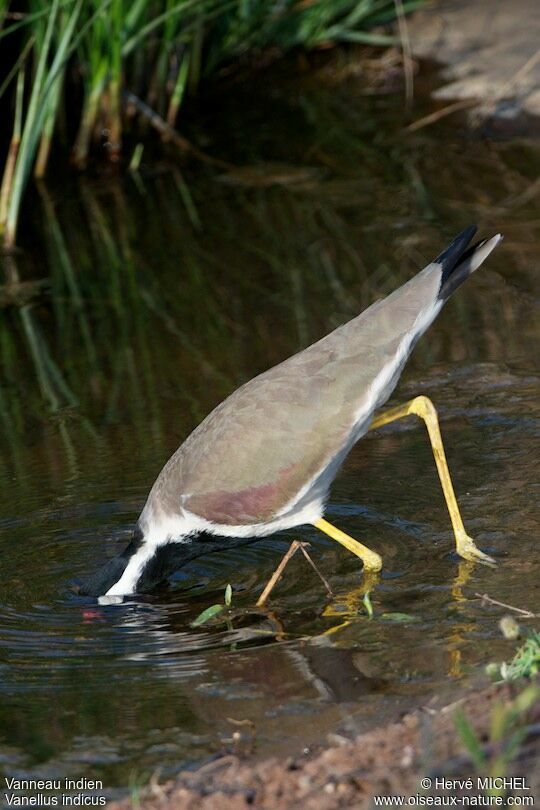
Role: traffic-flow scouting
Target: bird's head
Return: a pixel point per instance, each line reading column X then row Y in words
column 98, row 583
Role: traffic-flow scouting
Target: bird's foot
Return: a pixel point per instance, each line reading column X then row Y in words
column 466, row 548
column 372, row 562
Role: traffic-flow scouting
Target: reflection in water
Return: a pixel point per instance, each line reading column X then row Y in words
column 166, row 292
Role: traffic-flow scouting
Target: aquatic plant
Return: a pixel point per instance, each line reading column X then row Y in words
column 214, row 610
column 115, row 61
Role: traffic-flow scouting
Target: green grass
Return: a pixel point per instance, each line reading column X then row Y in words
column 508, row 722
column 508, row 729
column 74, row 55
column 525, row 663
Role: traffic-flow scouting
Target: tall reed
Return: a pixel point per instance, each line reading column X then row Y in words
column 91, row 55
column 49, row 62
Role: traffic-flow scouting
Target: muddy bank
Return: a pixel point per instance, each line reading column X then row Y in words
column 390, row 760
column 490, row 52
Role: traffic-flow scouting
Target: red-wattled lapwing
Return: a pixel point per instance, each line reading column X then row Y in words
column 265, row 458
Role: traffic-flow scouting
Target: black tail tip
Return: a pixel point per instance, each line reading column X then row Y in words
column 455, row 250
column 464, row 262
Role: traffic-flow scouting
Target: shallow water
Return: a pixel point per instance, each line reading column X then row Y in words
column 168, row 291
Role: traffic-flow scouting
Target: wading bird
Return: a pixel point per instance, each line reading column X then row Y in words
column 264, row 459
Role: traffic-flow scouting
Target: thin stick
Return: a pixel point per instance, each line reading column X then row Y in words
column 261, row 601
column 169, row 133
column 433, row 117
column 310, row 561
column 295, row 545
column 408, row 64
column 18, row 293
column 485, row 598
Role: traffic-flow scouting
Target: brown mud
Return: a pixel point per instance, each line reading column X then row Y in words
column 390, row 760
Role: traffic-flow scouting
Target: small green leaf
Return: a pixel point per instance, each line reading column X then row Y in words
column 399, row 617
column 207, row 614
column 367, row 604
column 469, row 739
column 228, row 595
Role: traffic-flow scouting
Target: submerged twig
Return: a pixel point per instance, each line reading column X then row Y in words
column 433, row 117
column 19, row 293
column 169, row 133
column 522, row 612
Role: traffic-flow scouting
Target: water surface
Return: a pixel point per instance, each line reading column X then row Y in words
column 168, row 290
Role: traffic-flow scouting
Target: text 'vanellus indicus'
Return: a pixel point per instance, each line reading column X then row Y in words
column 265, row 458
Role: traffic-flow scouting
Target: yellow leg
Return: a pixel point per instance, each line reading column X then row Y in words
column 371, row 560
column 424, row 408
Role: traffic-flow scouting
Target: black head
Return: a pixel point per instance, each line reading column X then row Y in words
column 162, row 561
column 99, row 583
column 172, row 556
